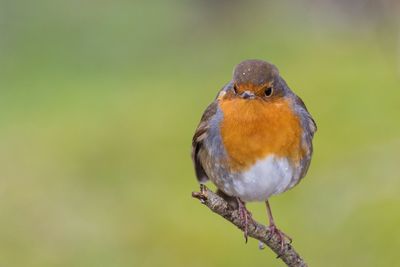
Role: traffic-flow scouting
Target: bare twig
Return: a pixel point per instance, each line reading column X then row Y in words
column 256, row 230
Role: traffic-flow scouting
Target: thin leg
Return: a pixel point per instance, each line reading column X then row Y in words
column 245, row 215
column 269, row 212
column 274, row 230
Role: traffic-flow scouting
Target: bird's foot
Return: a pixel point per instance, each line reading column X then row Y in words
column 245, row 216
column 274, row 232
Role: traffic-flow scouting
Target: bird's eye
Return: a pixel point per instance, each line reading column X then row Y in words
column 268, row 91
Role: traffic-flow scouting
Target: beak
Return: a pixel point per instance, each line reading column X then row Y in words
column 247, row 95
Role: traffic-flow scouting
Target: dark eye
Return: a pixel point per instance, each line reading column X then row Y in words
column 268, row 91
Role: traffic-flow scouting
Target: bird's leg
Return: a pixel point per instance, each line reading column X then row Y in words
column 273, row 230
column 245, row 216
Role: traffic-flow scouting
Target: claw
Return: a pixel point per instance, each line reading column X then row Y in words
column 281, row 236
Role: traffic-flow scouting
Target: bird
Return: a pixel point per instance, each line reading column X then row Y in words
column 254, row 140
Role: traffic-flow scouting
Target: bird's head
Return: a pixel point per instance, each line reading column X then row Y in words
column 256, row 79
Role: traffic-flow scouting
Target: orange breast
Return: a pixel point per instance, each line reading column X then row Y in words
column 254, row 129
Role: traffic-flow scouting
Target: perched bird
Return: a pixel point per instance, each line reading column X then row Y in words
column 255, row 139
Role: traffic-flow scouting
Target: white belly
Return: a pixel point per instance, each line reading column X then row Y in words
column 270, row 176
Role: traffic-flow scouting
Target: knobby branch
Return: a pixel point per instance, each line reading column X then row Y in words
column 217, row 204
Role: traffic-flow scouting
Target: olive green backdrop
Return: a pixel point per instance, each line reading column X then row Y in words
column 99, row 101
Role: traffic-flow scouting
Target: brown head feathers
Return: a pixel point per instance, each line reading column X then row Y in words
column 256, row 72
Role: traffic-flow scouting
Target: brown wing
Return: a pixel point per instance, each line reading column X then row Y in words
column 198, row 140
column 310, row 127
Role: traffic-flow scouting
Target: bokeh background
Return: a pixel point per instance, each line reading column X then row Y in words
column 99, row 101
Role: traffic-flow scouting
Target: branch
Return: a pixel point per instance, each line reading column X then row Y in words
column 256, row 230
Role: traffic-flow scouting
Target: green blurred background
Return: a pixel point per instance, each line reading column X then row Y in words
column 99, row 101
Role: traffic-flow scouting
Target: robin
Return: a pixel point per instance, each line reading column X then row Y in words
column 255, row 139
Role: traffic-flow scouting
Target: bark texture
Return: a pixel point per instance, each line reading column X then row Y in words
column 256, row 230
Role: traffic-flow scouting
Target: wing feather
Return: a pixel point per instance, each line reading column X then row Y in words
column 200, row 135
